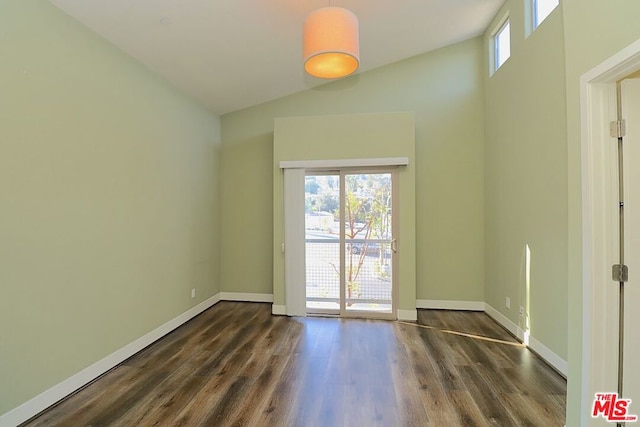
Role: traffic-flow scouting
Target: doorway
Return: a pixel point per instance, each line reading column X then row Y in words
column 603, row 201
column 350, row 246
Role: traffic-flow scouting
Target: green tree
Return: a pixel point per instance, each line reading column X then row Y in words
column 328, row 203
column 367, row 208
column 367, row 215
column 331, row 182
column 311, row 186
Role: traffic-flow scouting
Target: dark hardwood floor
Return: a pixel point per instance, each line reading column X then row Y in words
column 237, row 365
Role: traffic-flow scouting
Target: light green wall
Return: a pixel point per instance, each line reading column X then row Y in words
column 354, row 136
column 594, row 31
column 109, row 200
column 444, row 89
column 526, row 178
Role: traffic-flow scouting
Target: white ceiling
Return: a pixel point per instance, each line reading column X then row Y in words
column 232, row 54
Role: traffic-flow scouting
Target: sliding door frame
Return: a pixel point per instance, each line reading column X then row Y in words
column 343, row 172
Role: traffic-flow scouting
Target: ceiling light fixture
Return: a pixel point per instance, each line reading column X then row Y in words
column 330, row 43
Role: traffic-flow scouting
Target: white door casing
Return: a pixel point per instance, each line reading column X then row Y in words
column 631, row 114
column 600, row 227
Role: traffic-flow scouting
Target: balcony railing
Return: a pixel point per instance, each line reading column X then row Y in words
column 368, row 260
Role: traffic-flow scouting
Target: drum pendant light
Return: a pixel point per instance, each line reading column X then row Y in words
column 330, row 43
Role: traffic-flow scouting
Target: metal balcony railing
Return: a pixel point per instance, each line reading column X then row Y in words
column 368, row 260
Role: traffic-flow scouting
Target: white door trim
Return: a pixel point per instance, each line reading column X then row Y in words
column 599, row 223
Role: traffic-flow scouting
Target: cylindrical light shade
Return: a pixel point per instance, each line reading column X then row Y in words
column 330, row 45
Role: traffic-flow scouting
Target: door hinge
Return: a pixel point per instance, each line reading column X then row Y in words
column 620, row 273
column 617, row 128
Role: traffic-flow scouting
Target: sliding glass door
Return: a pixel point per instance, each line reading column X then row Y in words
column 369, row 242
column 349, row 243
column 322, row 242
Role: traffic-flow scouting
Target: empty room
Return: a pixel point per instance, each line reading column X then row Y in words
column 321, row 213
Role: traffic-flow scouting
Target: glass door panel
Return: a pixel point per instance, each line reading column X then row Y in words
column 368, row 243
column 322, row 243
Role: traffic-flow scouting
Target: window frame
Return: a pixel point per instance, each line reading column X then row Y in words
column 535, row 18
column 502, row 25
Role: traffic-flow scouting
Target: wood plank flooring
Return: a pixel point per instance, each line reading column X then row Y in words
column 237, row 365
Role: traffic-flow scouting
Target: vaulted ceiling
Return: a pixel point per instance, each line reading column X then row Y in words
column 231, row 54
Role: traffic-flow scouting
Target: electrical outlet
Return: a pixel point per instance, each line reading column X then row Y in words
column 521, row 311
column 507, row 303
column 193, row 293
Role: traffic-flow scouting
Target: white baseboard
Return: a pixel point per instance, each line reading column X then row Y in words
column 408, row 315
column 504, row 321
column 279, row 310
column 549, row 356
column 61, row 390
column 242, row 296
column 450, row 305
column 553, row 359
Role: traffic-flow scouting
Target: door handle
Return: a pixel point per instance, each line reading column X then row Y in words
column 394, row 246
